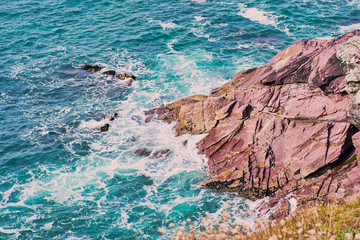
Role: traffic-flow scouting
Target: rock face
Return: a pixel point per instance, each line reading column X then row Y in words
column 289, row 128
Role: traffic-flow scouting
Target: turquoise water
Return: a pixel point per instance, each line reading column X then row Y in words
column 60, row 177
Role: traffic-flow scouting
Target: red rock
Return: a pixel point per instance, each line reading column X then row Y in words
column 290, row 126
column 268, row 205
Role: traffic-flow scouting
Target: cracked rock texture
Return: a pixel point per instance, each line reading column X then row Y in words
column 289, row 128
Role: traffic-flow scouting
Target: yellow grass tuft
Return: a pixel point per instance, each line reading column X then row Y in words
column 330, row 220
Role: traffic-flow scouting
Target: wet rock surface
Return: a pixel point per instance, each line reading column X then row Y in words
column 92, row 68
column 111, row 117
column 161, row 153
column 287, row 128
column 105, row 128
column 144, row 152
column 110, row 72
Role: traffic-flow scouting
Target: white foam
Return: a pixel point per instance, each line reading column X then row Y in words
column 293, row 205
column 256, row 15
column 168, row 25
column 200, row 32
column 199, row 18
column 261, row 17
column 354, row 2
column 15, row 231
column 74, row 238
column 164, row 25
column 223, row 25
column 171, row 47
column 48, row 226
column 243, row 45
column 199, row 1
column 32, row 218
column 324, row 38
column 244, row 63
column 344, row 29
column 65, row 185
column 93, row 124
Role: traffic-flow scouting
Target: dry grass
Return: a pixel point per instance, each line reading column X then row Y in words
column 323, row 221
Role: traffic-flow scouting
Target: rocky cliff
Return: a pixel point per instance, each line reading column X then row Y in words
column 289, row 128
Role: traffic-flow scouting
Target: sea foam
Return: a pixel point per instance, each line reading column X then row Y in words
column 344, row 29
column 261, row 17
column 164, row 25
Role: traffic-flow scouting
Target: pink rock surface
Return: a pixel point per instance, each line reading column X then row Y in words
column 289, row 127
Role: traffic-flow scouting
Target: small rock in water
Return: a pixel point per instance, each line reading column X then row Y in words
column 129, row 82
column 134, row 138
column 111, row 117
column 110, row 72
column 92, row 68
column 161, row 153
column 129, row 75
column 143, row 152
column 126, row 75
column 122, row 76
column 105, row 128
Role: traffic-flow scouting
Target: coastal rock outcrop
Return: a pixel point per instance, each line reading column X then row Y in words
column 289, row 128
column 122, row 76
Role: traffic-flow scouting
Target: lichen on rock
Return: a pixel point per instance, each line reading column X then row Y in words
column 349, row 54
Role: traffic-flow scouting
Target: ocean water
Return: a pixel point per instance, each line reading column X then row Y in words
column 60, row 177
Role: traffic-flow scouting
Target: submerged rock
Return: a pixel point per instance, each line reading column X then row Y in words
column 289, row 127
